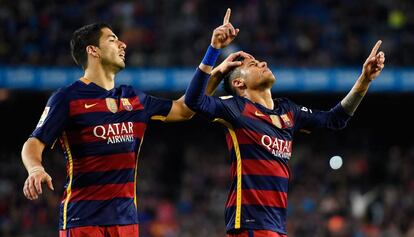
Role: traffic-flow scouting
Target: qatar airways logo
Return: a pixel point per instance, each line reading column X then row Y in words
column 115, row 132
column 277, row 147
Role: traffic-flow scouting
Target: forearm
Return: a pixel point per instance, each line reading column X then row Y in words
column 198, row 85
column 32, row 154
column 352, row 100
column 196, row 90
column 215, row 79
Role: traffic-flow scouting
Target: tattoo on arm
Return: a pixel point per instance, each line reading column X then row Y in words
column 351, row 101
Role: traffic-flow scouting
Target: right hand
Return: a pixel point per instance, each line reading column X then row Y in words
column 224, row 34
column 33, row 185
column 228, row 64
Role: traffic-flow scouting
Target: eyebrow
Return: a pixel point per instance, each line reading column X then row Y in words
column 252, row 62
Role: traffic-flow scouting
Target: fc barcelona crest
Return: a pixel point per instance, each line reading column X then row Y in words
column 276, row 120
column 111, row 104
column 126, row 104
column 286, row 120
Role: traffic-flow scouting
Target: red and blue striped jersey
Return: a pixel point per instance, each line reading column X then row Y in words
column 101, row 133
column 260, row 144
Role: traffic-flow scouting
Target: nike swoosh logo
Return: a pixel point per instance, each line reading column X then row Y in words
column 90, row 106
column 258, row 114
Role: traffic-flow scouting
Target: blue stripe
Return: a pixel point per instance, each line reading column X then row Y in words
column 99, row 118
column 118, row 211
column 262, row 182
column 101, row 178
column 258, row 217
column 100, row 148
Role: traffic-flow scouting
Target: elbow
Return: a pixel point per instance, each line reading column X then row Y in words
column 187, row 115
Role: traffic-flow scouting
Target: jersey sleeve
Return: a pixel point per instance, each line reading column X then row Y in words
column 309, row 119
column 155, row 107
column 53, row 119
column 218, row 108
column 208, row 106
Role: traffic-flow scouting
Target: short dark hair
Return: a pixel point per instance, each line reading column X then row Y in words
column 230, row 76
column 81, row 38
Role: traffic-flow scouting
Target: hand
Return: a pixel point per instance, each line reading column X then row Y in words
column 33, row 184
column 374, row 63
column 224, row 34
column 228, row 64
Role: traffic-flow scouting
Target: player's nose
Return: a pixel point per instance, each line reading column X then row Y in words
column 263, row 64
column 122, row 45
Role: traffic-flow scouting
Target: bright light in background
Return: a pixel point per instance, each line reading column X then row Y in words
column 335, row 162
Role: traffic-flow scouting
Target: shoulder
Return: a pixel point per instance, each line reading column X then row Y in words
column 69, row 89
column 285, row 102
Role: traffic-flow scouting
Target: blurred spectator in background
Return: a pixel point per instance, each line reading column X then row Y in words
column 318, row 33
column 192, row 177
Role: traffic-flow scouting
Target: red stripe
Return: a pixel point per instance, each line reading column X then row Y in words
column 257, row 233
column 86, row 135
column 245, row 136
column 104, row 163
column 83, row 106
column 103, row 192
column 260, row 197
column 229, row 141
column 263, row 167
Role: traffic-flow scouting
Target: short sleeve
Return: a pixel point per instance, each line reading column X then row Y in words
column 53, row 119
column 154, row 106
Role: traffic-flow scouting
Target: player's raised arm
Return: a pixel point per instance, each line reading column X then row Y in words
column 222, row 36
column 371, row 69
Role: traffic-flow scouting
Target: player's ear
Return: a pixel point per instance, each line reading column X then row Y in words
column 92, row 50
column 238, row 83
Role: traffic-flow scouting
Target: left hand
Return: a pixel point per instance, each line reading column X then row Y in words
column 374, row 63
column 229, row 63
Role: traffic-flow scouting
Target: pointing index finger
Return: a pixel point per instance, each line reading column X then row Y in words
column 227, row 16
column 375, row 49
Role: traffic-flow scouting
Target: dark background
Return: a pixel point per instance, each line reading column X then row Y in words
column 184, row 167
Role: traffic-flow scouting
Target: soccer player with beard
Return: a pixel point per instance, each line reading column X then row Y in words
column 100, row 128
column 259, row 132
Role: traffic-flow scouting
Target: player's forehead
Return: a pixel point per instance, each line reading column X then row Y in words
column 107, row 33
column 248, row 61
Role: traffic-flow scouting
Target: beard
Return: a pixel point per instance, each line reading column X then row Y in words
column 116, row 66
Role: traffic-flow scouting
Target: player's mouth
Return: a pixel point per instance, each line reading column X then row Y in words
column 122, row 55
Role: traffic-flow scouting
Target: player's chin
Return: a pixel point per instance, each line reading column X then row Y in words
column 121, row 65
column 269, row 76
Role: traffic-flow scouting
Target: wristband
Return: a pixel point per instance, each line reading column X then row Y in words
column 211, row 56
column 36, row 169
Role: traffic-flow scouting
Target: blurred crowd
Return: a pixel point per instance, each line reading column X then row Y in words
column 183, row 183
column 160, row 33
column 183, row 179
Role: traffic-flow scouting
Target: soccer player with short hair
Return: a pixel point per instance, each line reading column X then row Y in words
column 100, row 128
column 259, row 135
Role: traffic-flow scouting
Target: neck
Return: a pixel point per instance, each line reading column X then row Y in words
column 100, row 76
column 263, row 97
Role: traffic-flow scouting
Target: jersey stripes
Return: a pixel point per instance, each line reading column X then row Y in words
column 259, row 141
column 100, row 132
